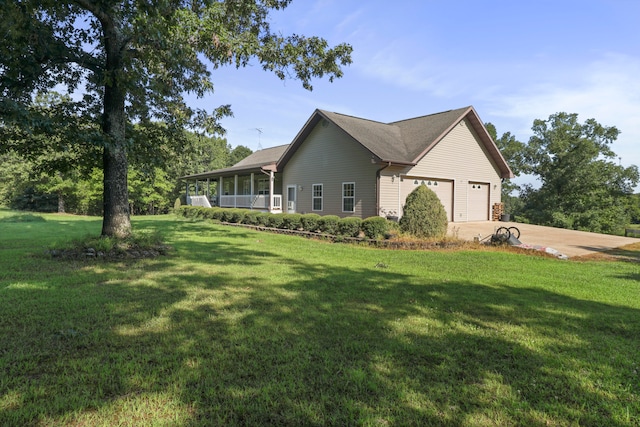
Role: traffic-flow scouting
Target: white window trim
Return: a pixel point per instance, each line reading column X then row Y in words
column 314, row 197
column 349, row 197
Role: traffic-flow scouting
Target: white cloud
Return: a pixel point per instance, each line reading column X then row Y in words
column 606, row 89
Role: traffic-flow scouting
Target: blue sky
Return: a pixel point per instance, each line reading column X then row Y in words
column 514, row 61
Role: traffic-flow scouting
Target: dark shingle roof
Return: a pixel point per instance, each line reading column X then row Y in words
column 253, row 162
column 421, row 133
column 402, row 142
column 399, row 142
column 263, row 157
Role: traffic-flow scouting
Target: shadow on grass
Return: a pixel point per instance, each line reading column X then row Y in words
column 176, row 342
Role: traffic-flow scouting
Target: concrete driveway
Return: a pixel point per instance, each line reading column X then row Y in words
column 571, row 243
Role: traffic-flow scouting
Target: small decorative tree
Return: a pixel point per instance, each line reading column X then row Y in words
column 424, row 216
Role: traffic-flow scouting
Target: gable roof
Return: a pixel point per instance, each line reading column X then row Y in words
column 403, row 142
column 265, row 159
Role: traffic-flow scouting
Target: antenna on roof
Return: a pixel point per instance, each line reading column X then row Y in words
column 259, row 134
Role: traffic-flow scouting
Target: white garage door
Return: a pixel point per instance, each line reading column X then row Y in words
column 478, row 206
column 443, row 189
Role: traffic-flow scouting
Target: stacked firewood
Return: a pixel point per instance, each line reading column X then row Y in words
column 498, row 210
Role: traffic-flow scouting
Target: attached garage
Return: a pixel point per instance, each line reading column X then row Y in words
column 478, row 201
column 442, row 188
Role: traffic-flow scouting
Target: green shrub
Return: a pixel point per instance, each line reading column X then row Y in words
column 424, row 216
column 196, row 212
column 217, row 213
column 329, row 224
column 207, row 213
column 237, row 215
column 375, row 227
column 349, row 227
column 226, row 215
column 291, row 221
column 310, row 222
column 180, row 211
column 251, row 218
column 275, row 221
column 177, row 204
column 263, row 218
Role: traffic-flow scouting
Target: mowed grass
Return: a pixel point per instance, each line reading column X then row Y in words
column 238, row 327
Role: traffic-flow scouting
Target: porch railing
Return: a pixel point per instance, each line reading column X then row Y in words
column 277, row 202
column 260, row 201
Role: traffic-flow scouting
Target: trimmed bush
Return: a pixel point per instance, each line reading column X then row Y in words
column 424, row 216
column 291, row 221
column 208, row 213
column 237, row 215
column 195, row 212
column 263, row 218
column 275, row 221
column 329, row 224
column 310, row 222
column 226, row 215
column 375, row 227
column 217, row 213
column 349, row 227
column 180, row 211
column 251, row 218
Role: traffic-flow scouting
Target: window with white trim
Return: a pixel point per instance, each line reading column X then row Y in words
column 263, row 186
column 348, row 196
column 316, row 196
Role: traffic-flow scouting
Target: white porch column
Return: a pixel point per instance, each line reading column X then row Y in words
column 197, row 188
column 271, row 182
column 188, row 198
column 208, row 188
column 235, row 191
column 251, row 207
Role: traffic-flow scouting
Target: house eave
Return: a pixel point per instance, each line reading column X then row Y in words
column 487, row 141
column 231, row 171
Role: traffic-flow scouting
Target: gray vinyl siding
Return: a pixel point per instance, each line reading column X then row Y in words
column 330, row 157
column 390, row 202
column 461, row 157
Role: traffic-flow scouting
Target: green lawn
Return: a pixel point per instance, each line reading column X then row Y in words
column 237, row 327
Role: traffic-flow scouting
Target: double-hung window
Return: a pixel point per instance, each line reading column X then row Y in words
column 263, row 186
column 348, row 196
column 316, row 195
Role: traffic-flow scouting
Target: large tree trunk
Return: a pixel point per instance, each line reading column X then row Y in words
column 116, row 220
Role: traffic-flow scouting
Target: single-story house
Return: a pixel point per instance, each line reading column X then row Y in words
column 348, row 166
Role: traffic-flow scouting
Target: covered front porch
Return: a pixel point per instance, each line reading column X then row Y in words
column 256, row 190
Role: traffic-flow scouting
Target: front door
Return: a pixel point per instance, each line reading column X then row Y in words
column 291, row 199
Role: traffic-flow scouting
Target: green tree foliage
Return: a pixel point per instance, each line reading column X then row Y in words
column 28, row 183
column 136, row 61
column 423, row 215
column 634, row 209
column 582, row 186
column 238, row 153
column 513, row 152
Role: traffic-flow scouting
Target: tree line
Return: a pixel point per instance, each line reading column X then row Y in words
column 70, row 179
column 582, row 184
